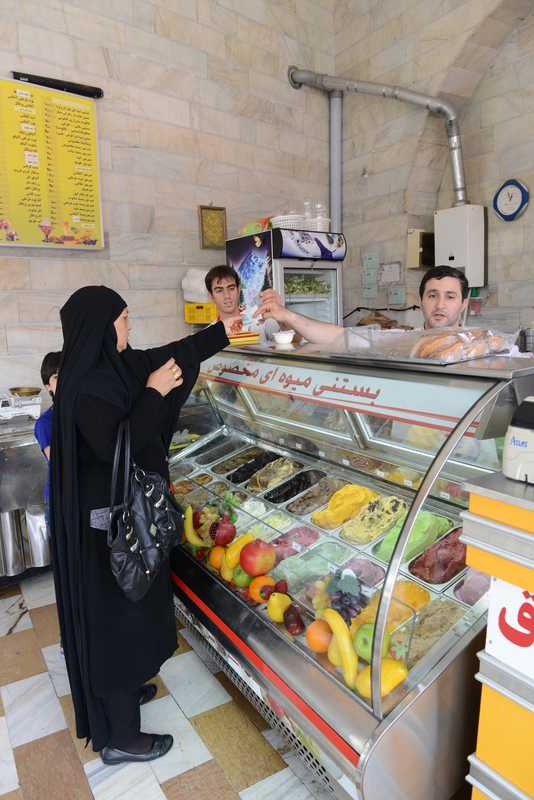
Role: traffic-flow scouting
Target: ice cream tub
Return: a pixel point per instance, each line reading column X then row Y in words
column 428, row 528
column 255, row 507
column 449, row 554
column 248, row 469
column 332, row 551
column 471, row 589
column 294, row 487
column 369, row 572
column 280, row 521
column 180, row 469
column 202, row 478
column 412, row 641
column 232, row 458
column 260, row 531
column 316, row 495
column 216, row 449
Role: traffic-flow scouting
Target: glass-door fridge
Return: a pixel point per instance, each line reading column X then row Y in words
column 303, row 266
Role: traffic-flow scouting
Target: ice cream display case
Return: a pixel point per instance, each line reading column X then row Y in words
column 322, row 567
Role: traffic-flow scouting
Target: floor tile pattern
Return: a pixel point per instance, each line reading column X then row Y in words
column 42, row 759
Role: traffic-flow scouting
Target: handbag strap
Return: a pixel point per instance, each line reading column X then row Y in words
column 123, row 435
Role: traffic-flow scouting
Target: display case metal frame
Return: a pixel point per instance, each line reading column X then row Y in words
column 373, row 732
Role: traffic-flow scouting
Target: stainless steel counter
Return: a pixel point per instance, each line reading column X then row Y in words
column 498, row 487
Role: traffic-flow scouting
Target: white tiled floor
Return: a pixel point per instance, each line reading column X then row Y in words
column 57, row 669
column 282, row 784
column 14, row 615
column 8, row 769
column 32, row 709
column 39, row 590
column 123, row 782
column 192, row 685
column 188, row 750
column 33, row 712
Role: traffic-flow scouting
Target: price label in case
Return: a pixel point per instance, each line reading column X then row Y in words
column 321, row 454
column 409, row 484
column 345, row 462
column 281, row 440
column 445, row 495
column 298, row 445
column 243, row 674
column 380, row 473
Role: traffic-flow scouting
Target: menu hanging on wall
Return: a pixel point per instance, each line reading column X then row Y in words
column 49, row 177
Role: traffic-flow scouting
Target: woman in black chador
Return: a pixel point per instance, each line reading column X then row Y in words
column 112, row 645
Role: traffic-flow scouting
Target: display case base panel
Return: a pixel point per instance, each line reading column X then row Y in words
column 313, row 766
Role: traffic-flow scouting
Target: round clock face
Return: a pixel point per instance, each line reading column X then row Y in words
column 509, row 200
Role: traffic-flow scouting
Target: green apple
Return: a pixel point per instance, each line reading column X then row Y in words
column 363, row 642
column 241, row 578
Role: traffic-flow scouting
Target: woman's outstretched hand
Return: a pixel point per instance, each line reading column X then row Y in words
column 166, row 378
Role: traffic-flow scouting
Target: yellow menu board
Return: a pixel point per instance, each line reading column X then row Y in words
column 49, row 178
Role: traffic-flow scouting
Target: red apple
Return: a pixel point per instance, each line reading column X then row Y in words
column 257, row 557
column 223, row 531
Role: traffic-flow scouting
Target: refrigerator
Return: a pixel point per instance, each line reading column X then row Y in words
column 303, row 266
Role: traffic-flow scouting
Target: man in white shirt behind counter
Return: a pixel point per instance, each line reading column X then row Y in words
column 444, row 296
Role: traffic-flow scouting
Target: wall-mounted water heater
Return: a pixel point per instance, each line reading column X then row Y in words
column 460, row 241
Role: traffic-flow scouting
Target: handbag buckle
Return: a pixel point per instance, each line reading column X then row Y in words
column 160, row 502
column 148, row 492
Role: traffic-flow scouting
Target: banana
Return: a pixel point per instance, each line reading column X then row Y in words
column 226, row 572
column 344, row 648
column 190, row 533
column 233, row 550
column 333, row 653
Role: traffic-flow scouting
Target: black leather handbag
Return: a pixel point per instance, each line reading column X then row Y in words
column 144, row 527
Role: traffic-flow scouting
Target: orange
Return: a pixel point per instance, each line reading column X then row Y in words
column 216, row 556
column 318, row 636
column 257, row 584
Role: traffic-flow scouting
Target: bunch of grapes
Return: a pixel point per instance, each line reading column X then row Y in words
column 348, row 605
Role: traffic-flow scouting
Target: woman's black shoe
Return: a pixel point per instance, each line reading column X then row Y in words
column 147, row 692
column 161, row 745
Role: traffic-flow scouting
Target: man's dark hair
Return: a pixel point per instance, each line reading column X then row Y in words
column 444, row 272
column 50, row 366
column 221, row 271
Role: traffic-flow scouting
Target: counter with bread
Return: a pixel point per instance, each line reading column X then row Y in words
column 322, row 566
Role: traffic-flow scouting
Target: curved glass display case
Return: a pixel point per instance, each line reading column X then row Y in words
column 353, row 471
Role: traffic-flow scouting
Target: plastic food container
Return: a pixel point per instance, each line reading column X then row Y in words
column 294, row 222
column 283, row 337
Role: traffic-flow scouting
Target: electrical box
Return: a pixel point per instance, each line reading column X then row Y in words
column 419, row 249
column 460, row 241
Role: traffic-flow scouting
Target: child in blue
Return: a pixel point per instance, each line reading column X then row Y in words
column 43, row 426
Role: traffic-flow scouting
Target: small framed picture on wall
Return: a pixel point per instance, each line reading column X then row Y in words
column 212, row 223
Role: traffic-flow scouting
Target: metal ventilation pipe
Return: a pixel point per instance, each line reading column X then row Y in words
column 335, row 86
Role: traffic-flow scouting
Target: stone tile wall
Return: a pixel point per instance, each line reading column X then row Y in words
column 497, row 134
column 197, row 110
column 396, row 155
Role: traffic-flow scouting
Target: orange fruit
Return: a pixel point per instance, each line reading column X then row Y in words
column 215, row 557
column 257, row 584
column 318, row 636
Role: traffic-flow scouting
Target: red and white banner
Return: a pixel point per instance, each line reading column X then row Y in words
column 510, row 634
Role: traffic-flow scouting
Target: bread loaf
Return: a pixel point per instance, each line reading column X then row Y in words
column 496, row 344
column 428, row 346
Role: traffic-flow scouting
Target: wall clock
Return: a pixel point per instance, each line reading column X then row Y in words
column 510, row 200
